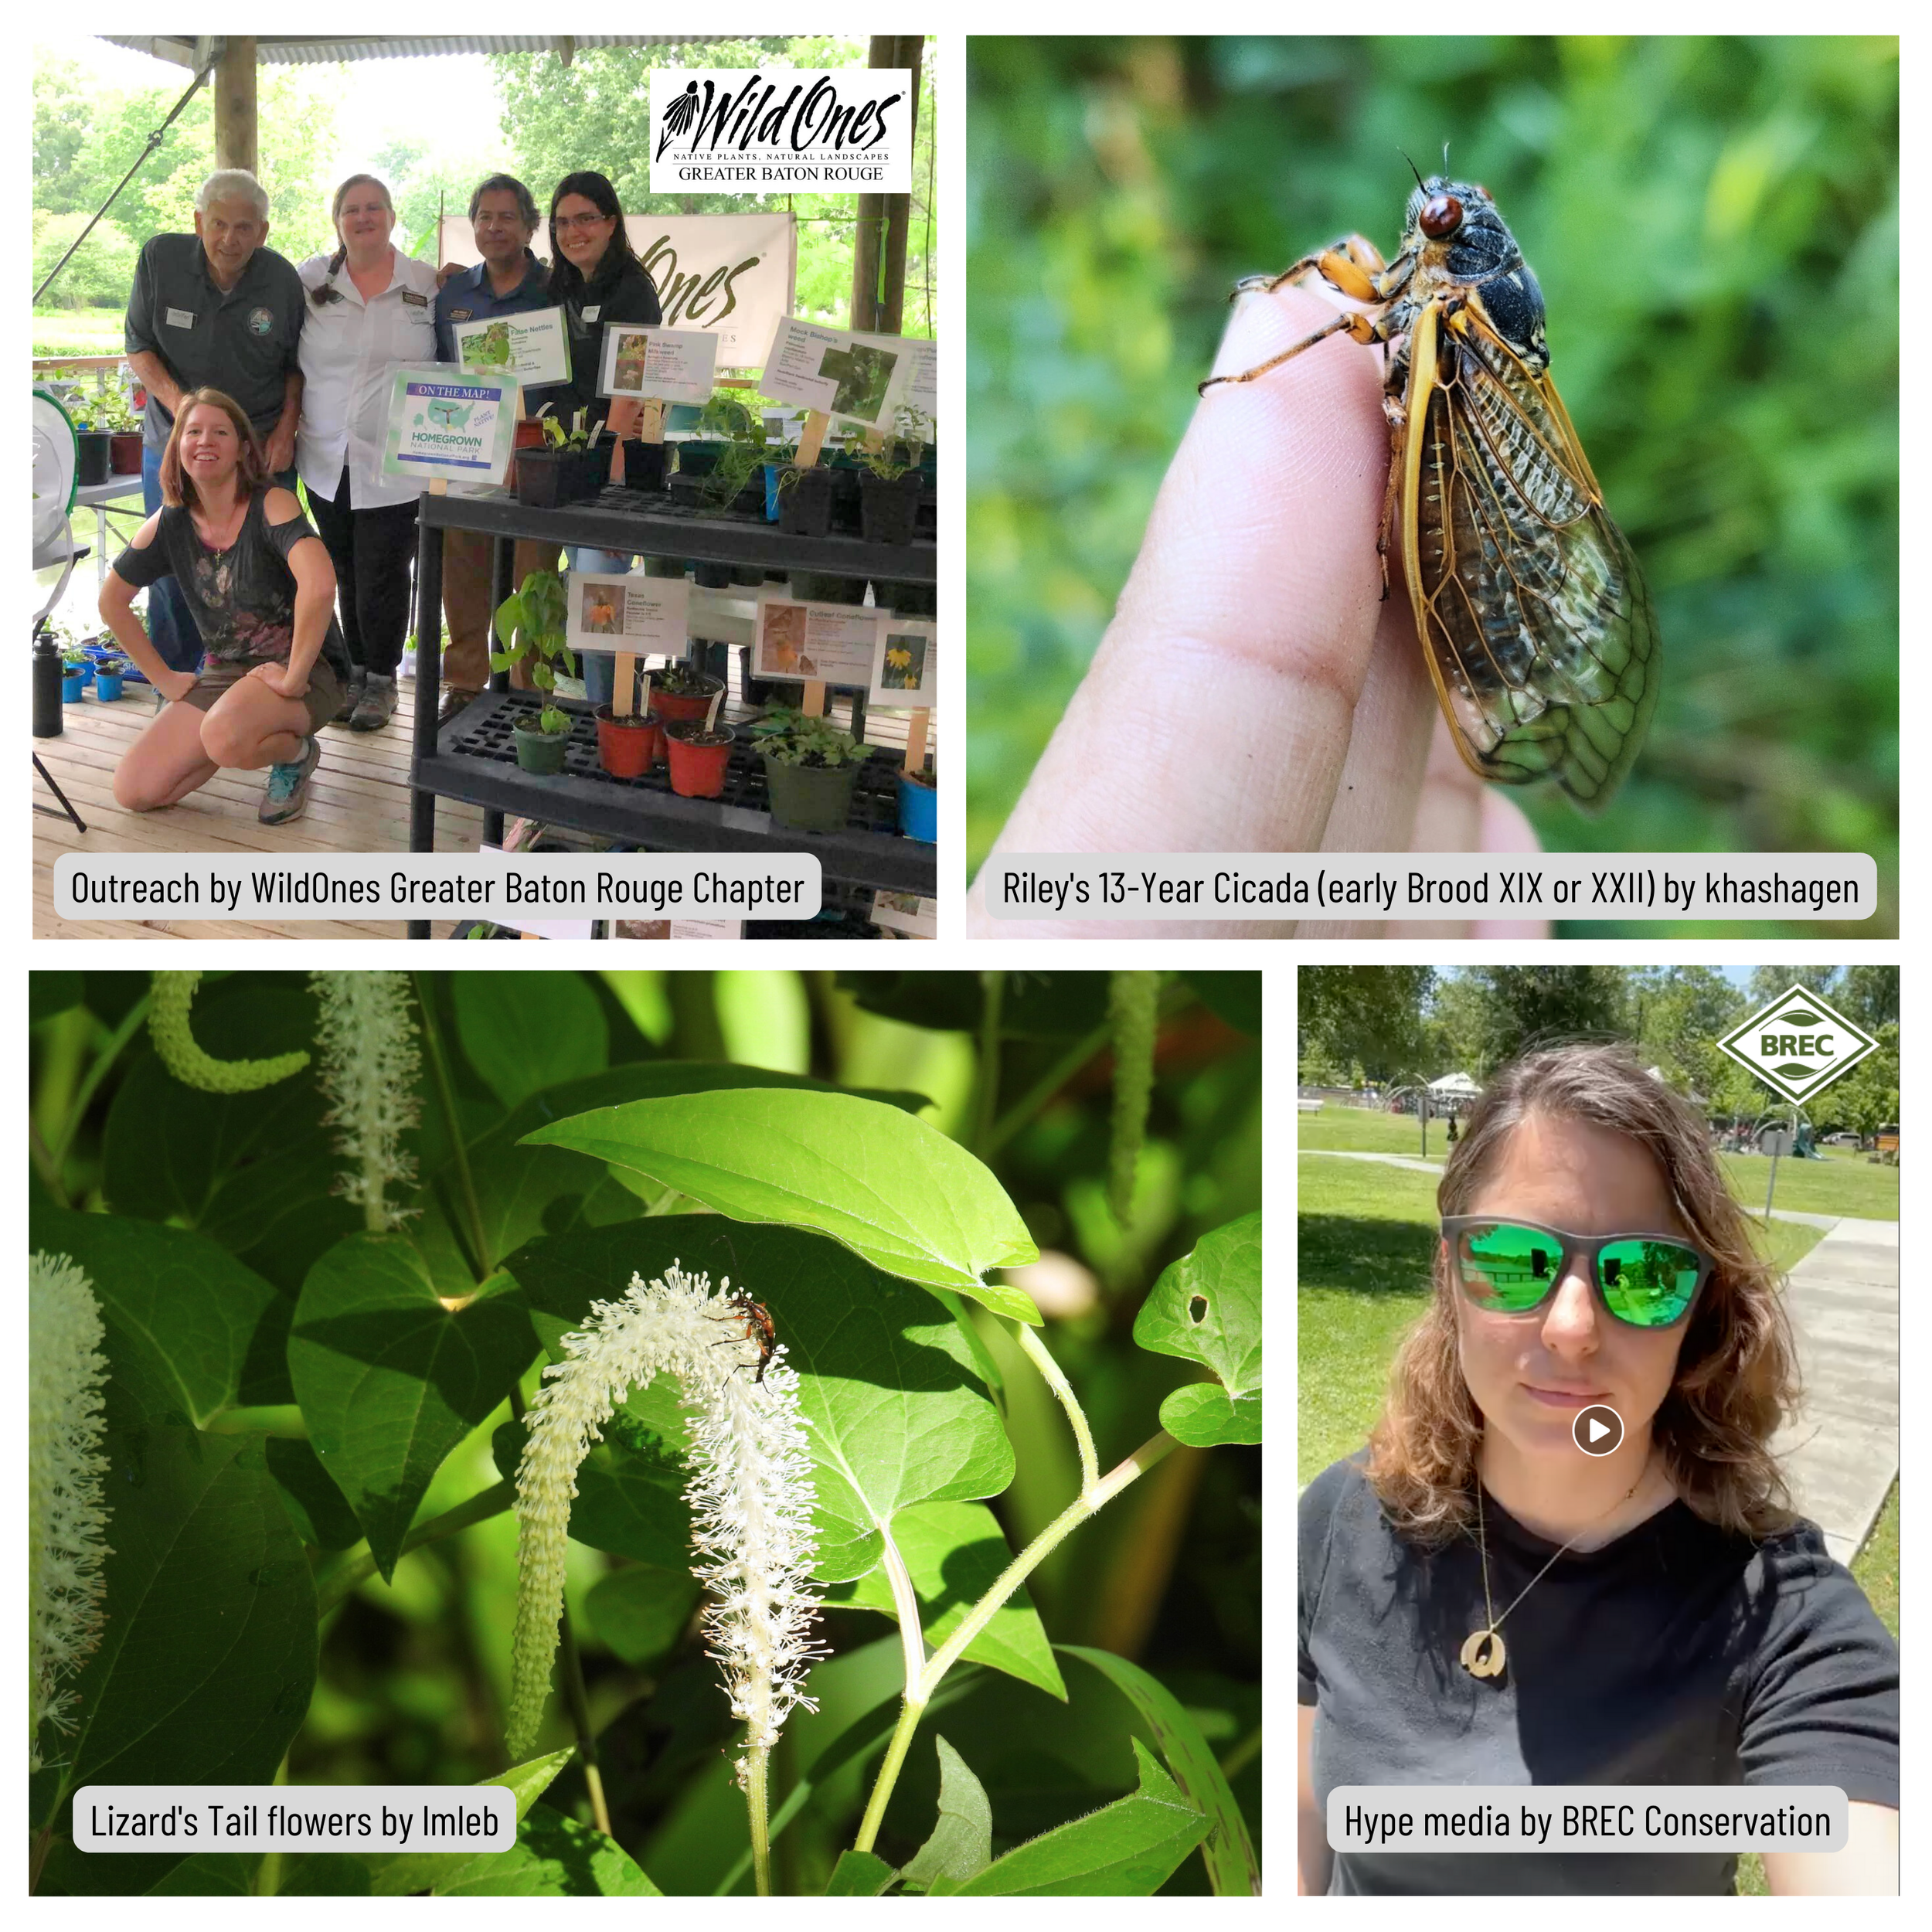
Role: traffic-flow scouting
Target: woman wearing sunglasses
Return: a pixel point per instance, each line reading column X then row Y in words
column 1482, row 1603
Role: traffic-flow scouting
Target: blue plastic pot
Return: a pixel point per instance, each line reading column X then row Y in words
column 106, row 686
column 72, row 684
column 772, row 471
column 918, row 810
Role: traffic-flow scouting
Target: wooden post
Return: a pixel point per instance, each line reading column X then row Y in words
column 916, row 741
column 812, row 705
column 234, row 104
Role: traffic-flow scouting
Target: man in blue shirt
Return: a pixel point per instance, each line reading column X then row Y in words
column 509, row 280
column 215, row 309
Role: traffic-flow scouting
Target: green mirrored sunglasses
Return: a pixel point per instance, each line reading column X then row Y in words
column 1512, row 1267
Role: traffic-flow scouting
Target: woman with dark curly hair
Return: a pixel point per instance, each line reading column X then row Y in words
column 1482, row 1603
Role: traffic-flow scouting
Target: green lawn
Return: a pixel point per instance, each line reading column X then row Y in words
column 1365, row 1236
column 1842, row 1183
column 77, row 331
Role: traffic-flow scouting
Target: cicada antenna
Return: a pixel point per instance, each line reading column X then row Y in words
column 1414, row 170
column 1445, row 158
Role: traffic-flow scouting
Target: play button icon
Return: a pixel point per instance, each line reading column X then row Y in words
column 1598, row 1431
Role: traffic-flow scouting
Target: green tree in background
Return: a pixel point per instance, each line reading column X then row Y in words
column 1372, row 1022
column 1715, row 225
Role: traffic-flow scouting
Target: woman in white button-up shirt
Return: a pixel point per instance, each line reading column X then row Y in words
column 372, row 311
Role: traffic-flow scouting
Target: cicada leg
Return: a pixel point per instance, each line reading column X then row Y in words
column 1353, row 266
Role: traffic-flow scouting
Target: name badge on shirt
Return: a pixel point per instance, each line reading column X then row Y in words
column 591, row 315
column 181, row 318
column 414, row 300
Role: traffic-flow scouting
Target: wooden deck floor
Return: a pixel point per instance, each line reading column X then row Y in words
column 358, row 801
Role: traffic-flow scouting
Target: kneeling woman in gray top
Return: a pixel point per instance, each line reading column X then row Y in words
column 262, row 591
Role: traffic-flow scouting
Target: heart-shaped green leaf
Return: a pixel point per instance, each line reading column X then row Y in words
column 891, row 1188
column 391, row 1378
column 953, row 1552
column 630, row 1499
column 524, row 1031
column 961, row 1845
column 207, row 1653
column 859, row 1875
column 1203, row 1414
column 642, row 1611
column 1227, row 1851
column 192, row 1331
column 1127, row 1849
column 895, row 1412
column 1206, row 1307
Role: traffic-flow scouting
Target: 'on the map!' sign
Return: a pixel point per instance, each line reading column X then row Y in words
column 1798, row 1045
column 442, row 424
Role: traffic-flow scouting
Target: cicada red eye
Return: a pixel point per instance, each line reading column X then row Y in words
column 1441, row 216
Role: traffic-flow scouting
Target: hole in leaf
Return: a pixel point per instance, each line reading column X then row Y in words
column 1197, row 1308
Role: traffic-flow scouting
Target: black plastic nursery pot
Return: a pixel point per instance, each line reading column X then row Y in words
column 888, row 510
column 804, row 501
column 96, row 456
column 547, row 478
column 644, row 467
column 810, row 797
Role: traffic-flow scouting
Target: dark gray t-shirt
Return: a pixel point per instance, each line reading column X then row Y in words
column 241, row 340
column 1677, row 1655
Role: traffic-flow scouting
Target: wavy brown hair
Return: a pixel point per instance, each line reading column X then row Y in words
column 251, row 466
column 1736, row 1371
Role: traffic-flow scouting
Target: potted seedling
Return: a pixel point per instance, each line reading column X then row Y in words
column 888, row 489
column 74, row 668
column 730, row 480
column 699, row 752
column 629, row 743
column 683, row 693
column 123, row 422
column 108, row 672
column 565, row 469
column 810, row 767
column 530, row 625
column 919, row 804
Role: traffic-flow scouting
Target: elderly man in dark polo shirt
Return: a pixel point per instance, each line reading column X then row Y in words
column 509, row 280
column 214, row 309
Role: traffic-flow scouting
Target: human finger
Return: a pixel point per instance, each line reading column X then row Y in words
column 1243, row 640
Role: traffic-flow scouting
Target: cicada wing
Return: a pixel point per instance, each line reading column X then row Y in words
column 1532, row 612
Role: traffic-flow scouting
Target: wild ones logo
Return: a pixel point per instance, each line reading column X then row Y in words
column 725, row 131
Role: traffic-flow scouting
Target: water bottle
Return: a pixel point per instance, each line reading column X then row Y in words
column 46, row 687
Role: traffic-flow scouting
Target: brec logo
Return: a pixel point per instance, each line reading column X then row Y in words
column 1797, row 1045
column 743, row 132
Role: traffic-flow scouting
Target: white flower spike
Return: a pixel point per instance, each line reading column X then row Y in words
column 66, row 1514
column 750, row 1494
column 369, row 1064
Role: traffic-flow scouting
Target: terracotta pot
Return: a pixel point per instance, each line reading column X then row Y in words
column 628, row 747
column 124, row 452
column 698, row 759
column 675, row 708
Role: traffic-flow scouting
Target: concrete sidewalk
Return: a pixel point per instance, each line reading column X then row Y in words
column 1841, row 1451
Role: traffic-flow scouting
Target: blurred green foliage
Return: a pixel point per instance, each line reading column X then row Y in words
column 1715, row 225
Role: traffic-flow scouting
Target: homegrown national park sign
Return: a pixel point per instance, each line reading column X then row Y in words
column 1798, row 1045
column 732, row 274
column 444, row 424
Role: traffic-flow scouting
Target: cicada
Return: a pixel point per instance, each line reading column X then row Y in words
column 1532, row 612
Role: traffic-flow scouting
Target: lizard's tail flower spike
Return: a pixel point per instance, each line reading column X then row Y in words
column 369, row 1065
column 66, row 1471
column 750, row 1494
column 174, row 1037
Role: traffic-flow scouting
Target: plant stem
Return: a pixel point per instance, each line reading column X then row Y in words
column 481, row 1261
column 995, row 984
column 906, row 1602
column 1088, row 1503
column 43, row 1159
column 42, row 1844
column 1030, row 1104
column 900, row 1742
column 334, row 1585
column 578, row 1699
column 1243, row 1755
column 1055, row 1377
column 130, row 1024
column 757, row 1762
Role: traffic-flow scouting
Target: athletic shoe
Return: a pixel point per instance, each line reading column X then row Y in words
column 377, row 704
column 287, row 795
column 352, row 696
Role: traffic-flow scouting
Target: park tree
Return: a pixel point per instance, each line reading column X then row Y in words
column 1867, row 1098
column 1679, row 1015
column 1523, row 1006
column 1365, row 1017
column 1868, row 996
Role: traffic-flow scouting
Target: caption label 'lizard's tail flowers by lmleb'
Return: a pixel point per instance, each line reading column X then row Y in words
column 369, row 1065
column 66, row 1517
column 750, row 1494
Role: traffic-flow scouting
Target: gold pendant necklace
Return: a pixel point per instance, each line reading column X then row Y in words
column 1483, row 1654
